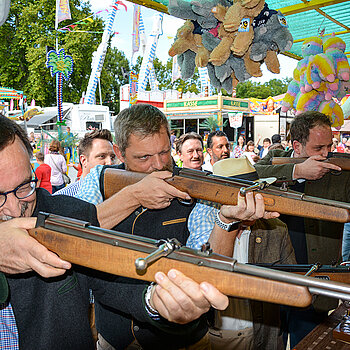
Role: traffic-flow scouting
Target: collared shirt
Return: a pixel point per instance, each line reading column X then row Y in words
column 207, row 166
column 89, row 190
column 8, row 328
column 200, row 224
column 70, row 190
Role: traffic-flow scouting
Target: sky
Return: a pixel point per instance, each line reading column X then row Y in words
column 122, row 41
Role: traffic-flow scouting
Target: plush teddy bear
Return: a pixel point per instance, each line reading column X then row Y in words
column 271, row 35
column 334, row 48
column 326, row 70
column 189, row 37
column 239, row 18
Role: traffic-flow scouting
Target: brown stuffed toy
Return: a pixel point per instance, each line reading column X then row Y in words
column 186, row 40
column 239, row 17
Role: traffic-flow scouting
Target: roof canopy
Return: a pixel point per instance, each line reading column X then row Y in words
column 305, row 18
column 7, row 93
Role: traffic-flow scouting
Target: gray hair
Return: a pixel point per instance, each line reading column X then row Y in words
column 141, row 120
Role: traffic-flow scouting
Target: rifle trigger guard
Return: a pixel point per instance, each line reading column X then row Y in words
column 165, row 248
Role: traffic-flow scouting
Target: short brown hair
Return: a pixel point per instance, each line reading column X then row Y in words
column 189, row 136
column 39, row 156
column 304, row 122
column 141, row 120
column 85, row 143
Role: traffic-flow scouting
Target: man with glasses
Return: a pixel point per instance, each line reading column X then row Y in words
column 53, row 313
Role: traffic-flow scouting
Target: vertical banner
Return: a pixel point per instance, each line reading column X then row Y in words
column 136, row 29
column 62, row 11
column 133, row 78
column 176, row 72
column 150, row 51
column 204, row 80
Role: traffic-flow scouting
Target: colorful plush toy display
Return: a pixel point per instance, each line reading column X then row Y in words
column 321, row 79
column 237, row 35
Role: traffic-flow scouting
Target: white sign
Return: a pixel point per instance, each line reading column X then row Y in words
column 235, row 119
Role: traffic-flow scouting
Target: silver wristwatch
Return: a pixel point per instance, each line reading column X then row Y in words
column 227, row 227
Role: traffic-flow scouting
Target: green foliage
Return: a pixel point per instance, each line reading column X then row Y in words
column 112, row 78
column 211, row 124
column 24, row 37
column 273, row 87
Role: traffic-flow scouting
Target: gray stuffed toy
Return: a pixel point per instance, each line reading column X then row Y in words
column 270, row 38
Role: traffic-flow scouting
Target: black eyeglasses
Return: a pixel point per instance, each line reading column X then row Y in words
column 22, row 191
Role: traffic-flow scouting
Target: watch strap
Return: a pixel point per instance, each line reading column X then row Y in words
column 227, row 227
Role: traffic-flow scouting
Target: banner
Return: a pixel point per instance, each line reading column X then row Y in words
column 62, row 11
column 133, row 78
column 136, row 29
column 176, row 72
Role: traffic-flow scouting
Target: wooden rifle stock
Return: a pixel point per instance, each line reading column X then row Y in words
column 201, row 185
column 102, row 250
column 115, row 252
column 339, row 159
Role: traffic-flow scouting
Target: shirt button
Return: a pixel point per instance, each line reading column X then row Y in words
column 136, row 328
column 258, row 239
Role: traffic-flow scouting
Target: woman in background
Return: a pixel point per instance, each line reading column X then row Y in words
column 58, row 166
column 239, row 148
column 250, row 153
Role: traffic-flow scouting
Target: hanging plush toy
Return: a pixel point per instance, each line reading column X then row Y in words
column 311, row 46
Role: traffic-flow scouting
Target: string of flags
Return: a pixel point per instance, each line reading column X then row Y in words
column 87, row 20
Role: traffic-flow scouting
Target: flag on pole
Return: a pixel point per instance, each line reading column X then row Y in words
column 176, row 72
column 62, row 11
column 135, row 29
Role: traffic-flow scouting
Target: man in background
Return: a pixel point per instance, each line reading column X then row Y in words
column 94, row 148
column 190, row 149
column 218, row 147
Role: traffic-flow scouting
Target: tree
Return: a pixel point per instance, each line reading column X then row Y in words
column 24, row 37
column 252, row 89
column 113, row 77
column 164, row 73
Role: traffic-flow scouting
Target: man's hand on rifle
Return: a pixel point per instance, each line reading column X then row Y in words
column 153, row 192
column 21, row 253
column 248, row 208
column 313, row 168
column 179, row 299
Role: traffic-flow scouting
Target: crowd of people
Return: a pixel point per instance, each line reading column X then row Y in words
column 44, row 300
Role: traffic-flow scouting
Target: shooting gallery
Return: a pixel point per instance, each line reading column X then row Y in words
column 188, row 115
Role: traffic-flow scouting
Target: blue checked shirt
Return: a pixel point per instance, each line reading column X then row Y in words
column 89, row 190
column 200, row 223
column 8, row 328
column 70, row 190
